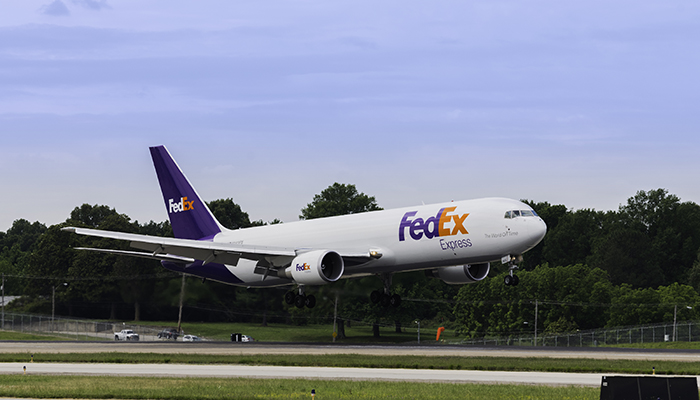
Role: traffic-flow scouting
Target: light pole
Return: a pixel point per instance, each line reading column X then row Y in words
column 675, row 310
column 53, row 301
column 418, row 322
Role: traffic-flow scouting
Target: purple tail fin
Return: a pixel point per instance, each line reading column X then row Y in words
column 189, row 216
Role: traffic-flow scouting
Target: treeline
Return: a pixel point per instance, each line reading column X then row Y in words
column 593, row 269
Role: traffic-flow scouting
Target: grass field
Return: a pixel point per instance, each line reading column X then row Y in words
column 239, row 388
column 363, row 361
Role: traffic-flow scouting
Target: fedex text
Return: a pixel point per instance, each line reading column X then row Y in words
column 182, row 205
column 440, row 225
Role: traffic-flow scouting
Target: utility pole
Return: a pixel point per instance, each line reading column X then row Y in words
column 3, row 300
column 535, row 322
column 335, row 317
column 182, row 299
column 675, row 309
column 53, row 301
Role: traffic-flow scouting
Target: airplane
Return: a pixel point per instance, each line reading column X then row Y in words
column 453, row 241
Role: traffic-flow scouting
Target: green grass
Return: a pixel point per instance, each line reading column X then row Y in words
column 239, row 388
column 295, row 333
column 12, row 335
column 365, row 361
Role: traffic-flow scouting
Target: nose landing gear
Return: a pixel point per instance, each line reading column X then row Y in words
column 511, row 279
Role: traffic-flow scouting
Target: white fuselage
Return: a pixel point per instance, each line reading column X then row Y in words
column 412, row 238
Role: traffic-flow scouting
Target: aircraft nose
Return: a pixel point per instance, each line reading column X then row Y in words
column 538, row 231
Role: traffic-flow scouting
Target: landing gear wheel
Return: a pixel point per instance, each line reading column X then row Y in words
column 300, row 301
column 310, row 301
column 395, row 300
column 516, row 280
column 289, row 297
column 508, row 280
column 385, row 300
column 375, row 296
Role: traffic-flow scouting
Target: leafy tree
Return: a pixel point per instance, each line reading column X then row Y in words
column 627, row 255
column 229, row 214
column 571, row 240
column 672, row 227
column 339, row 199
column 565, row 294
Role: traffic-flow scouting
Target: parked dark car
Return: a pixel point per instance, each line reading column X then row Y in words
column 168, row 333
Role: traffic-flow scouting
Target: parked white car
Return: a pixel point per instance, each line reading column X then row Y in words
column 191, row 338
column 126, row 334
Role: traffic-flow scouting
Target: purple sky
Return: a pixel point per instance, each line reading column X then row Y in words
column 270, row 102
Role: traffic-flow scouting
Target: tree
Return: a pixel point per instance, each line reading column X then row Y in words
column 229, row 214
column 339, row 199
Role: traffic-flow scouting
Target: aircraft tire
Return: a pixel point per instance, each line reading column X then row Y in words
column 385, row 300
column 310, row 301
column 289, row 297
column 300, row 301
column 516, row 280
column 375, row 296
column 508, row 280
column 395, row 300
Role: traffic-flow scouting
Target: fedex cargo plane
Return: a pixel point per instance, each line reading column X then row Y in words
column 454, row 241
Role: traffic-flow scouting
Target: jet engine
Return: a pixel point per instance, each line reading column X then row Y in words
column 316, row 267
column 461, row 274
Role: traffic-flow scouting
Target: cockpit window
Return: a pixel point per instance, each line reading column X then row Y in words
column 519, row 213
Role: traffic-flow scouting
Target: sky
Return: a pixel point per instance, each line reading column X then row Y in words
column 270, row 102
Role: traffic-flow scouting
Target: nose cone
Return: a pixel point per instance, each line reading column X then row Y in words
column 539, row 229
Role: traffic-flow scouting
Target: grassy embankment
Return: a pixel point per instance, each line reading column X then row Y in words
column 239, row 388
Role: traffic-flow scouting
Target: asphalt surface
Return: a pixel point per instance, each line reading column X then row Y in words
column 224, row 348
column 416, row 375
column 247, row 371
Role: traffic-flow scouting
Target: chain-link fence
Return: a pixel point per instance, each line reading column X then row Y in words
column 73, row 328
column 686, row 331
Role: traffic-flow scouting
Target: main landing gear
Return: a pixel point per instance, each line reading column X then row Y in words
column 300, row 300
column 511, row 279
column 385, row 298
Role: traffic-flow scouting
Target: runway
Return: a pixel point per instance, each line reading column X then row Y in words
column 229, row 348
column 266, row 372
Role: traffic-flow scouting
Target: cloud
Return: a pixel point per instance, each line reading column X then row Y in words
column 96, row 5
column 55, row 8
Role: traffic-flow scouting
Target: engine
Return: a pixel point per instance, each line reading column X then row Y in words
column 316, row 267
column 461, row 274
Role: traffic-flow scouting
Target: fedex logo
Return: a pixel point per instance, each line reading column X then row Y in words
column 303, row 267
column 182, row 205
column 442, row 224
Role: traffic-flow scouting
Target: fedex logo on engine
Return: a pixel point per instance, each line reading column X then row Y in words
column 442, row 224
column 303, row 267
column 182, row 205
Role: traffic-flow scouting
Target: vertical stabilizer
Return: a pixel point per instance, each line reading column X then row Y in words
column 189, row 216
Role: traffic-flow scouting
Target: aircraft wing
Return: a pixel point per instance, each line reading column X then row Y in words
column 188, row 250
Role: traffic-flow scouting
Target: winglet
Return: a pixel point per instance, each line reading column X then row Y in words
column 189, row 215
